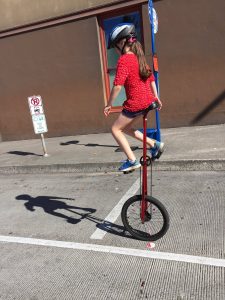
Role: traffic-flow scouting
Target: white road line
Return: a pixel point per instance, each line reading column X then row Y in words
column 208, row 261
column 114, row 214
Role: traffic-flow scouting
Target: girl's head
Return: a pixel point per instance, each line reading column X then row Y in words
column 120, row 33
column 123, row 37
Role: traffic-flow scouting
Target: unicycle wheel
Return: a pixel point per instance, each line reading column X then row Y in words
column 155, row 223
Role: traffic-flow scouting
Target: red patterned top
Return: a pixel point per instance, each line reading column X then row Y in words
column 139, row 93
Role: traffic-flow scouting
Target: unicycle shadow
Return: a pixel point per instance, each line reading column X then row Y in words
column 110, row 227
column 54, row 205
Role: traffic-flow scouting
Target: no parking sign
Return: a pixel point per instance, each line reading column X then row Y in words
column 37, row 114
column 38, row 118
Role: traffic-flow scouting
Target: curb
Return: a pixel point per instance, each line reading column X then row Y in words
column 178, row 165
column 61, row 168
column 191, row 165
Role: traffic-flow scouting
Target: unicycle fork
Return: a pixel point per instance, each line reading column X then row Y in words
column 144, row 164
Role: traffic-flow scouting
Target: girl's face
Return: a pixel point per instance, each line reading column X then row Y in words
column 119, row 45
column 117, row 51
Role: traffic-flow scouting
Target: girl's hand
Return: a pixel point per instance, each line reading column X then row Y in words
column 107, row 110
column 160, row 104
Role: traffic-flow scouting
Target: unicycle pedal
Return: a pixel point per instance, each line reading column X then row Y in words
column 128, row 172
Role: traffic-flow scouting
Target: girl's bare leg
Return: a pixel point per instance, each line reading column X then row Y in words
column 139, row 136
column 118, row 129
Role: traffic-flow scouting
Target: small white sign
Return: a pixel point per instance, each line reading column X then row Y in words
column 37, row 114
column 39, row 123
column 38, row 118
column 153, row 18
column 35, row 104
column 155, row 21
column 36, row 110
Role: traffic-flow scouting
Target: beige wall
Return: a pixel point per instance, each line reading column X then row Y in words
column 60, row 63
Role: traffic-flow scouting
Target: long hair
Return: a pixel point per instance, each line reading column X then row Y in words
column 144, row 69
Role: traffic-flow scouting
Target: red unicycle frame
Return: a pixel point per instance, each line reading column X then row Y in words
column 144, row 216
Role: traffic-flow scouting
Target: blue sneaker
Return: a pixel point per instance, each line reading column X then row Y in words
column 157, row 150
column 129, row 165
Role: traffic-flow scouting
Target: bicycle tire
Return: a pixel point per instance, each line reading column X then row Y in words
column 146, row 231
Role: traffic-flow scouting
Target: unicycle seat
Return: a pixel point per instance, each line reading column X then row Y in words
column 153, row 105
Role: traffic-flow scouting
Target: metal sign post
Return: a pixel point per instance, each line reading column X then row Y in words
column 43, row 145
column 154, row 29
column 38, row 118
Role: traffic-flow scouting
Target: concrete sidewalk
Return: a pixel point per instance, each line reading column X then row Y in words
column 187, row 148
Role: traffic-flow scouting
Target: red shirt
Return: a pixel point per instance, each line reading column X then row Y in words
column 139, row 93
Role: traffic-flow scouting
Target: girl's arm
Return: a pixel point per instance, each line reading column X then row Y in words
column 154, row 89
column 114, row 93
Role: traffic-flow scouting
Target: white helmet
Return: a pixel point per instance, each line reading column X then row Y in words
column 121, row 31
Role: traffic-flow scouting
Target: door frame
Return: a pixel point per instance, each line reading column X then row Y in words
column 101, row 18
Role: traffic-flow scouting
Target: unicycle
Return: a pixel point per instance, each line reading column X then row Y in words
column 144, row 216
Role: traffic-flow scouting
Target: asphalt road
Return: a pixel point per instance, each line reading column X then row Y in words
column 56, row 244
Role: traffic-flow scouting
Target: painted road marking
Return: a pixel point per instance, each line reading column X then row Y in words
column 208, row 261
column 114, row 214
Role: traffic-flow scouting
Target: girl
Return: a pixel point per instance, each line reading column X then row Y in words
column 135, row 75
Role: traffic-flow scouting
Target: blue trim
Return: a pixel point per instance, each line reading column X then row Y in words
column 151, row 133
column 154, row 133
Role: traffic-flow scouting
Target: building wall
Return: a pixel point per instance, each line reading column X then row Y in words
column 191, row 50
column 63, row 65
column 21, row 12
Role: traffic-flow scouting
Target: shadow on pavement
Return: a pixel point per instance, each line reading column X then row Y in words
column 69, row 143
column 51, row 203
column 96, row 145
column 23, row 153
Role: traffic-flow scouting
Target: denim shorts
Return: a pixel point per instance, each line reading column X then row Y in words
column 133, row 114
